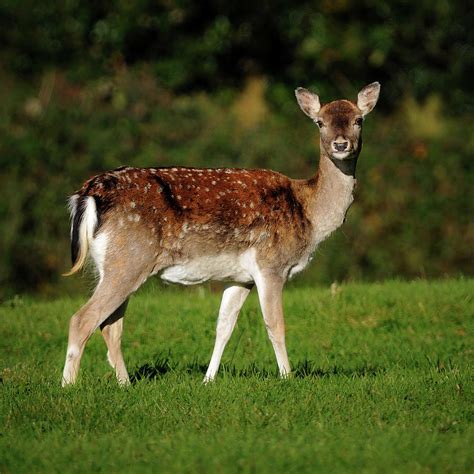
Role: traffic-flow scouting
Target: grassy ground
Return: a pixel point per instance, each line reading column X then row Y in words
column 382, row 383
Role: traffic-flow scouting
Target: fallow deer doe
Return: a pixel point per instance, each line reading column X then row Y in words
column 190, row 225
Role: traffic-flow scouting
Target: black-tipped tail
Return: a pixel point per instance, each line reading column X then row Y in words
column 80, row 210
column 77, row 214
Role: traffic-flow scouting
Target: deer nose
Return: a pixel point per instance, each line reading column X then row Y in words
column 340, row 146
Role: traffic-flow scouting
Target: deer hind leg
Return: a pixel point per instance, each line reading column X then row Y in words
column 112, row 329
column 232, row 300
column 103, row 303
column 270, row 289
column 113, row 290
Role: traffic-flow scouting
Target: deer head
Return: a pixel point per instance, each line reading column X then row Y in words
column 340, row 121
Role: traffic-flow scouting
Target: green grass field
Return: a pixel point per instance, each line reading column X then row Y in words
column 382, row 383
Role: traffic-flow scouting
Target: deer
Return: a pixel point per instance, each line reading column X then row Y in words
column 245, row 227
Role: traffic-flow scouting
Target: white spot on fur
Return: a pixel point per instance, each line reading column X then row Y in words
column 132, row 205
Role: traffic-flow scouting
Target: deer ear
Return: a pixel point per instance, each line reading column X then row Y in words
column 308, row 102
column 367, row 97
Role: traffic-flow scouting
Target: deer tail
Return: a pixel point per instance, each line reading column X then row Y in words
column 83, row 225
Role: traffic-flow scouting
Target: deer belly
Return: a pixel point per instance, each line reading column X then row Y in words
column 223, row 267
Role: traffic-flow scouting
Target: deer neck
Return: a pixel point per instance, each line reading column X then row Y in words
column 331, row 196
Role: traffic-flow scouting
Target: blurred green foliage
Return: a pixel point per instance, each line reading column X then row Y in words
column 91, row 86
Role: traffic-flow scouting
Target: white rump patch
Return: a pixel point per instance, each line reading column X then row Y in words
column 98, row 247
column 97, row 244
column 89, row 218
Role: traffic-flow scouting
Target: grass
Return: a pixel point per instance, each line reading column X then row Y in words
column 382, row 383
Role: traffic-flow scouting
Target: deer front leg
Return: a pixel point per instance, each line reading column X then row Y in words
column 270, row 289
column 232, row 300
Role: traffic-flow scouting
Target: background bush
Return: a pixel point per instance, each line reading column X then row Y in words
column 87, row 87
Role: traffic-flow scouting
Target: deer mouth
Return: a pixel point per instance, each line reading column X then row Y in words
column 341, row 155
column 341, row 148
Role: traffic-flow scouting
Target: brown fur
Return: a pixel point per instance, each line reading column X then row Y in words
column 201, row 210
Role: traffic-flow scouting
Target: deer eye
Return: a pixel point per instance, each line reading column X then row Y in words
column 359, row 121
column 319, row 123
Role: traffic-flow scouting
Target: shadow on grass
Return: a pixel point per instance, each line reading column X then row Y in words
column 303, row 369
